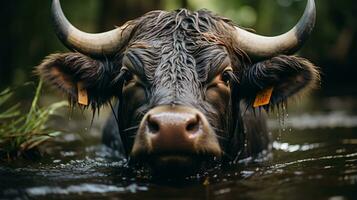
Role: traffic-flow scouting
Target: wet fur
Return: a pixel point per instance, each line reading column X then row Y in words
column 65, row 70
column 289, row 75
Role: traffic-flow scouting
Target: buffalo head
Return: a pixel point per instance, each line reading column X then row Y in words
column 181, row 79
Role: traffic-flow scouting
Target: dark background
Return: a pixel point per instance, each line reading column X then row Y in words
column 27, row 35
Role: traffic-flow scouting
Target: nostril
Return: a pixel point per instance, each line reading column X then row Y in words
column 153, row 126
column 193, row 125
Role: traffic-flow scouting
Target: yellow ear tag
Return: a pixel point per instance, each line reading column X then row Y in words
column 82, row 94
column 263, row 97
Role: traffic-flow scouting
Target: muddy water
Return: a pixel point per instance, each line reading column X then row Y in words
column 314, row 157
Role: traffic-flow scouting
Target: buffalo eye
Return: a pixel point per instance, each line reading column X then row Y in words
column 225, row 78
column 226, row 75
column 126, row 75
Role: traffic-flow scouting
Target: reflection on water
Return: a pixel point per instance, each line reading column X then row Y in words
column 314, row 157
column 82, row 188
column 294, row 147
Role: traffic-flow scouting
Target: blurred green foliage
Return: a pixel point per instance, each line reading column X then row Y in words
column 21, row 131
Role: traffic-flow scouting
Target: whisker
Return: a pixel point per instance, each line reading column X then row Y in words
column 218, row 130
column 131, row 128
column 221, row 137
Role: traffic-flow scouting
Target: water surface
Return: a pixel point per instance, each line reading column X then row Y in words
column 314, row 157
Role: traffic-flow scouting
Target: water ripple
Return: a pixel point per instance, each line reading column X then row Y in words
column 283, row 165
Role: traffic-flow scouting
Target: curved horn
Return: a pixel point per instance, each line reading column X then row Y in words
column 287, row 43
column 97, row 45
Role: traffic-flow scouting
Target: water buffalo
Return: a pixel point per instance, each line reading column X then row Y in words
column 186, row 83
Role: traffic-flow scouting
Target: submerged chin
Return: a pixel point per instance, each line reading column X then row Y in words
column 177, row 165
column 174, row 165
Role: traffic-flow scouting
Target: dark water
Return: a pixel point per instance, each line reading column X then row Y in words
column 314, row 157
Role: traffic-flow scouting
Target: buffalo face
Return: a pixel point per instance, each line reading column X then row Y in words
column 181, row 79
column 177, row 104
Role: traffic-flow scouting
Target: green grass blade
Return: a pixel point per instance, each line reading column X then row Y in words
column 4, row 97
column 11, row 112
column 19, row 131
column 35, row 100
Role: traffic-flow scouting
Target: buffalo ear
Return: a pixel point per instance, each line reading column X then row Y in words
column 66, row 70
column 288, row 75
